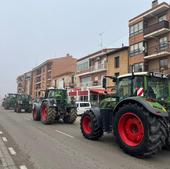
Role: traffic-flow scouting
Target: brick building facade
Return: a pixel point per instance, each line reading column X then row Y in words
column 149, row 36
column 44, row 75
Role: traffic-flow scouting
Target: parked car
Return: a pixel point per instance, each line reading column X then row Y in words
column 82, row 107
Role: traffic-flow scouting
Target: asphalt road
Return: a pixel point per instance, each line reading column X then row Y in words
column 62, row 146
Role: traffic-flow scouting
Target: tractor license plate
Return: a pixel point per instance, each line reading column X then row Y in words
column 22, row 110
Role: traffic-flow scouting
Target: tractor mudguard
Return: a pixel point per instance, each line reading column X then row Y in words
column 97, row 113
column 104, row 117
column 150, row 105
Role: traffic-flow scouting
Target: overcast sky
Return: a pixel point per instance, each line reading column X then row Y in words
column 32, row 31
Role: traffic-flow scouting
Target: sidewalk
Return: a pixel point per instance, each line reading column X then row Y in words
column 6, row 161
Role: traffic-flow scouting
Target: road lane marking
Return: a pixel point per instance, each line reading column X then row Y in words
column 1, row 132
column 4, row 139
column 12, row 151
column 64, row 134
column 23, row 167
column 26, row 118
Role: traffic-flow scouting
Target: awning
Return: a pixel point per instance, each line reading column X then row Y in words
column 101, row 91
column 72, row 93
column 83, row 93
column 98, row 91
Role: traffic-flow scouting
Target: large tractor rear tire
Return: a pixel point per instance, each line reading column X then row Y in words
column 48, row 114
column 90, row 127
column 138, row 132
column 35, row 114
column 71, row 117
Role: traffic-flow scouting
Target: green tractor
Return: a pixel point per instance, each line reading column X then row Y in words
column 10, row 101
column 23, row 103
column 138, row 115
column 53, row 107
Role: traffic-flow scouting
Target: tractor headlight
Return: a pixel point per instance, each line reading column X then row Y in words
column 30, row 102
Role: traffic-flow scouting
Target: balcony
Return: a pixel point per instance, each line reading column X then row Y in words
column 93, row 69
column 158, row 51
column 156, row 29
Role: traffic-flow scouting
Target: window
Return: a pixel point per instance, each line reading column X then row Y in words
column 136, row 49
column 163, row 42
column 72, row 79
column 164, row 64
column 136, row 29
column 86, row 81
column 162, row 18
column 83, row 66
column 83, row 98
column 38, row 71
column 84, row 105
column 117, row 74
column 139, row 67
column 117, row 62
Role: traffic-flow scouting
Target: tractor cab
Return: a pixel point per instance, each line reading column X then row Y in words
column 58, row 94
column 141, row 84
column 149, row 85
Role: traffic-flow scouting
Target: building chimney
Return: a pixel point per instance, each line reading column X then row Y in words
column 154, row 3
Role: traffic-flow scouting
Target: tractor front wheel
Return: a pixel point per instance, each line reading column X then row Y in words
column 138, row 132
column 36, row 116
column 48, row 114
column 71, row 117
column 90, row 127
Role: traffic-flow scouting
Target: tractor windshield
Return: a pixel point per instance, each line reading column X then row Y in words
column 12, row 95
column 124, row 87
column 58, row 94
column 157, row 88
column 128, row 87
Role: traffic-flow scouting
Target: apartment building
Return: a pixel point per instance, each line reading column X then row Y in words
column 20, row 84
column 24, row 83
column 45, row 75
column 90, row 71
column 117, row 64
column 149, row 36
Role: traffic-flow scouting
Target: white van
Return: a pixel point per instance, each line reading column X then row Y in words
column 82, row 107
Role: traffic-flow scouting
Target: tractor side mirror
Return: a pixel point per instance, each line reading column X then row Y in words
column 114, row 79
column 104, row 83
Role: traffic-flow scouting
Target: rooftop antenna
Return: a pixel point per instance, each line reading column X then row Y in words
column 101, row 39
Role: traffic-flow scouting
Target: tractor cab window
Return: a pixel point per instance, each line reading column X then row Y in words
column 50, row 93
column 138, row 86
column 124, row 88
column 157, row 88
column 57, row 94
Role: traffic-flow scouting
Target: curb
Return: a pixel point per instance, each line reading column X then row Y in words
column 6, row 161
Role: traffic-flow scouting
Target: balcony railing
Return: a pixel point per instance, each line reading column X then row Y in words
column 158, row 50
column 98, row 67
column 94, row 68
column 89, row 84
column 156, row 27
